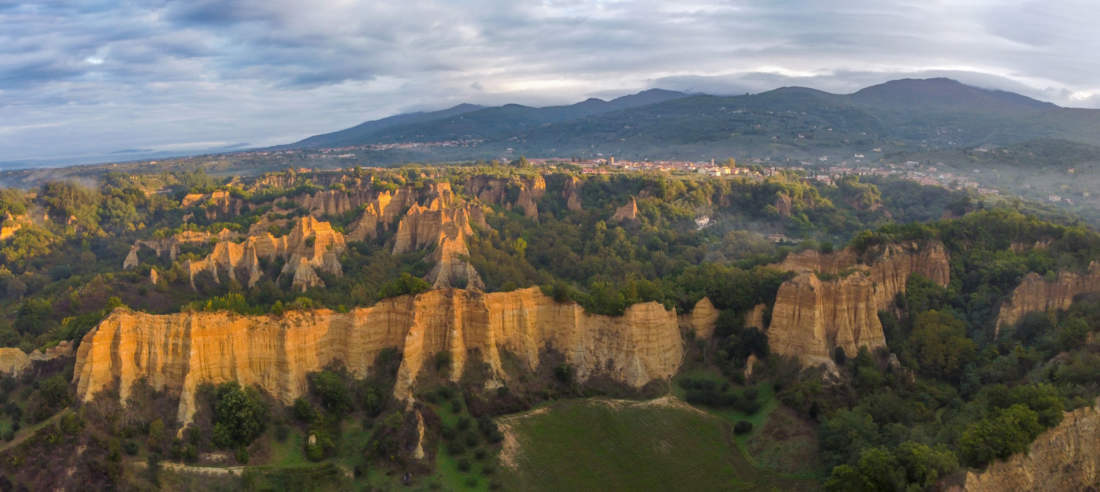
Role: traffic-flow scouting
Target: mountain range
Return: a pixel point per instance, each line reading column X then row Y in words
column 794, row 122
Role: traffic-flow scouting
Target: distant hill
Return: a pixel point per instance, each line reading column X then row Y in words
column 794, row 122
column 467, row 121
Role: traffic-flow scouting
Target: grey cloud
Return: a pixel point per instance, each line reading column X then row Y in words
column 154, row 73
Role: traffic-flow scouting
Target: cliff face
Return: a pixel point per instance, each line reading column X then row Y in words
column 169, row 247
column 812, row 315
column 178, row 352
column 701, row 320
column 445, row 224
column 509, row 193
column 571, row 193
column 219, row 204
column 628, row 212
column 310, row 246
column 1066, row 457
column 12, row 223
column 1038, row 294
column 13, row 361
column 380, row 212
column 335, row 202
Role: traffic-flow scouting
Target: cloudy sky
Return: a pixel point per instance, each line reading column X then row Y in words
column 86, row 79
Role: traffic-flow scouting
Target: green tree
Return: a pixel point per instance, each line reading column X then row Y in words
column 240, row 415
column 925, row 465
column 940, row 345
column 1010, row 431
column 405, row 284
column 332, row 389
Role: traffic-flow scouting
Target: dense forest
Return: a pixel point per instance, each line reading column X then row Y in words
column 951, row 392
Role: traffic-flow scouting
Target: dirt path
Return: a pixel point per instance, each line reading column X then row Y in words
column 216, row 470
column 23, row 434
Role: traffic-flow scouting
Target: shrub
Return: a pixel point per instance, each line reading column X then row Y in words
column 463, row 423
column 742, row 427
column 564, row 373
column 332, row 389
column 464, row 465
column 455, row 448
column 303, row 411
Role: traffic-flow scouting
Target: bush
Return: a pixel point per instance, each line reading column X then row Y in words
column 471, row 440
column 130, row 447
column 463, row 423
column 332, row 389
column 455, row 448
column 564, row 373
column 241, row 455
column 405, row 284
column 240, row 415
column 464, row 465
column 742, row 427
column 303, row 411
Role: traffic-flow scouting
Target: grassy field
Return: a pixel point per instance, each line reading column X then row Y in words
column 599, row 444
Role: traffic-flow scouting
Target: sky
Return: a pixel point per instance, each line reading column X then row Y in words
column 106, row 79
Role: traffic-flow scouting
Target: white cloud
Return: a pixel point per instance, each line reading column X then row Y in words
column 152, row 73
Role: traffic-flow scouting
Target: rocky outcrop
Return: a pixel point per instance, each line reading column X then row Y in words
column 626, row 213
column 812, row 315
column 1036, row 293
column 335, row 201
column 783, row 204
column 12, row 223
column 521, row 192
column 701, row 320
column 13, row 361
column 310, row 246
column 381, row 212
column 169, row 247
column 815, row 261
column 571, row 193
column 179, row 352
column 62, row 349
column 1066, row 457
column 755, row 317
column 219, row 204
column 444, row 224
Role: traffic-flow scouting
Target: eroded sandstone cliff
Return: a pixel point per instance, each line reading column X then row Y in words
column 627, row 212
column 1036, row 293
column 515, row 192
column 218, row 204
column 13, row 361
column 834, row 300
column 1066, row 457
column 169, row 247
column 701, row 320
column 178, row 352
column 310, row 246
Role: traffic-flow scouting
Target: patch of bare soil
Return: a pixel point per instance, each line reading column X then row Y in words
column 786, row 444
